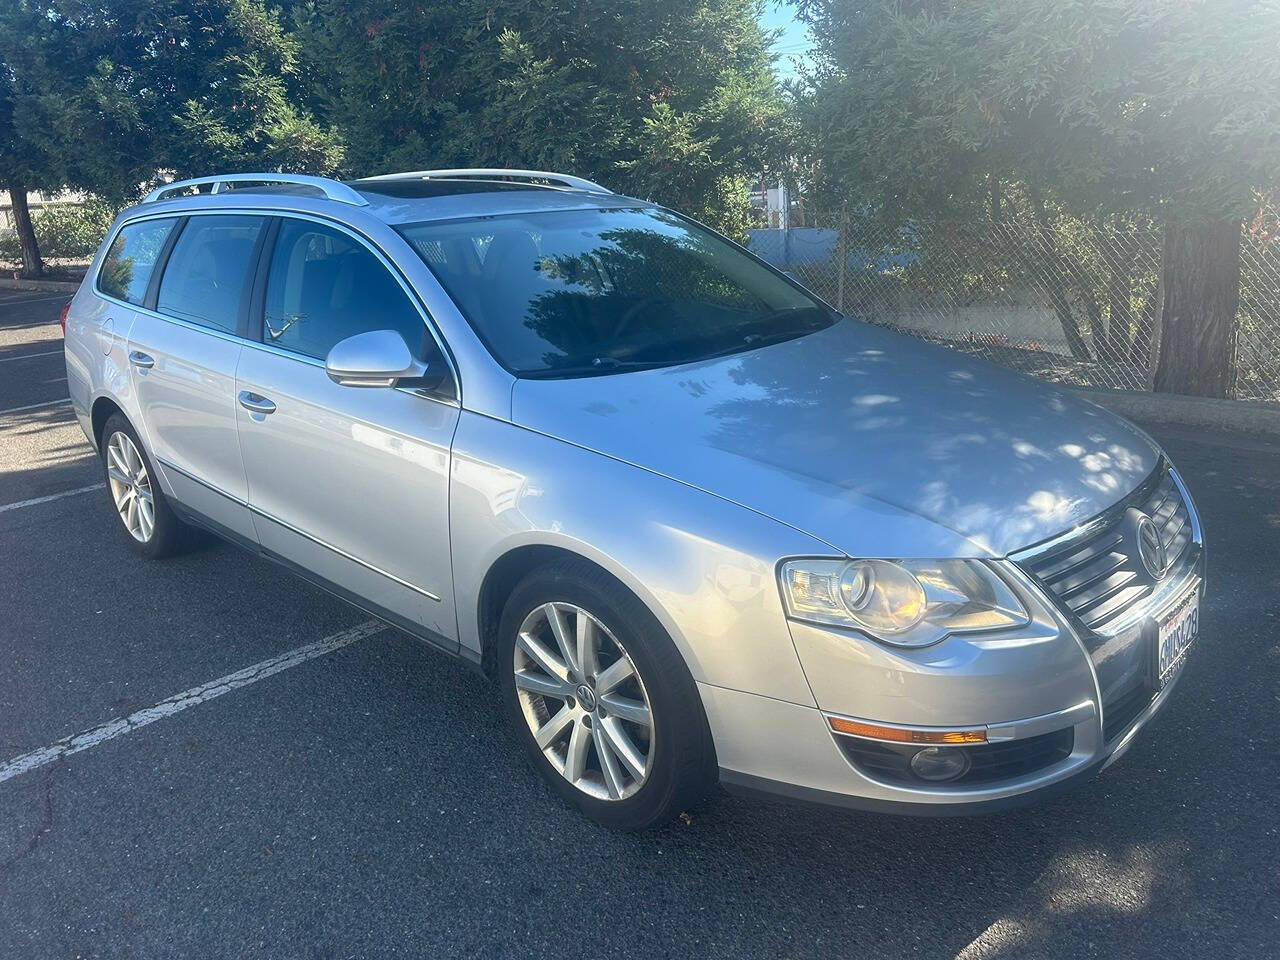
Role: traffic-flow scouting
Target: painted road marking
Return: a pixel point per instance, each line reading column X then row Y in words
column 50, row 498
column 36, row 406
column 32, row 356
column 185, row 700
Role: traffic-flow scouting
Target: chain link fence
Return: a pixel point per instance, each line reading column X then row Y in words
column 1075, row 304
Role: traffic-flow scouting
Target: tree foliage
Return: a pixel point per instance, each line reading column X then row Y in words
column 667, row 98
column 105, row 96
column 235, row 101
column 1101, row 110
column 1162, row 107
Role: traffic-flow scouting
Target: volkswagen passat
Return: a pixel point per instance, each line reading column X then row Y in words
column 697, row 524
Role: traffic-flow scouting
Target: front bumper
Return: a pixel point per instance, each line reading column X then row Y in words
column 785, row 750
column 1079, row 680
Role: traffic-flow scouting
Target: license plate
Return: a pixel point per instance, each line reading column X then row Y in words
column 1177, row 632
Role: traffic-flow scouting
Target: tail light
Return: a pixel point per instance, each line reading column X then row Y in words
column 62, row 317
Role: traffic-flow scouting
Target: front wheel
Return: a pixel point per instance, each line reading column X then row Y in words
column 601, row 699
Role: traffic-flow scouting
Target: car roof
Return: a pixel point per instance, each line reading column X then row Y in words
column 412, row 201
column 404, row 199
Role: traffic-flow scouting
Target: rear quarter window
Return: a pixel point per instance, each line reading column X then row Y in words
column 126, row 268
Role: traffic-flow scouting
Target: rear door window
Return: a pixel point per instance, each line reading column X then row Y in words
column 208, row 271
column 126, row 269
column 325, row 286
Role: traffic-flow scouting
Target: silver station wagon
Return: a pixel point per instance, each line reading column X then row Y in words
column 697, row 524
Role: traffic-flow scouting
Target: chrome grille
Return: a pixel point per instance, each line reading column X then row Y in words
column 1096, row 573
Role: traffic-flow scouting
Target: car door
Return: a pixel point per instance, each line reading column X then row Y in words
column 348, row 484
column 184, row 353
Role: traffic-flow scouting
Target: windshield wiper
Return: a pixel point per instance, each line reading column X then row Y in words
column 598, row 367
column 762, row 336
column 753, row 341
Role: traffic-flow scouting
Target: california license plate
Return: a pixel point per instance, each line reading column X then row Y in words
column 1177, row 632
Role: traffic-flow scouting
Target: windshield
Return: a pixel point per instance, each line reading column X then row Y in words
column 583, row 292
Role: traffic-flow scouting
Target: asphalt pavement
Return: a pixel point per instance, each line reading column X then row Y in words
column 367, row 801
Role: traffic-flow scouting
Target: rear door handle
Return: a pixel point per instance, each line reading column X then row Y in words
column 256, row 403
column 140, row 359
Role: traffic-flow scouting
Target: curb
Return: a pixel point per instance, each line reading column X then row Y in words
column 53, row 286
column 1246, row 415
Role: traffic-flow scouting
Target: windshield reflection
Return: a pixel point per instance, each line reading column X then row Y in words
column 586, row 292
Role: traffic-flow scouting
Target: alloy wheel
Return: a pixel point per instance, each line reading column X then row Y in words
column 130, row 487
column 584, row 701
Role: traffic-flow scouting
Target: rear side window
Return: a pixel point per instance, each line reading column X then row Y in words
column 208, row 270
column 126, row 269
column 324, row 286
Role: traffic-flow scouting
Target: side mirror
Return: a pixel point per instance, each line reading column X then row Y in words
column 379, row 358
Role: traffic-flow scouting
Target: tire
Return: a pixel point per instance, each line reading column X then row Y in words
column 676, row 747
column 166, row 534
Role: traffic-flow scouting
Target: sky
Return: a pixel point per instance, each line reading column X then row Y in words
column 794, row 40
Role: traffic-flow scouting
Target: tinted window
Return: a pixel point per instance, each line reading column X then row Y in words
column 126, row 269
column 581, row 292
column 208, row 269
column 324, row 287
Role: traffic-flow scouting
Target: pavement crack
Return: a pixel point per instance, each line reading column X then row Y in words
column 44, row 825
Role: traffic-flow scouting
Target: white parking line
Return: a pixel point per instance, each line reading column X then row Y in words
column 35, row 406
column 50, row 498
column 31, row 356
column 186, row 699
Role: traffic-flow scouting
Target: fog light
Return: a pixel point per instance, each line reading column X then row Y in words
column 940, row 763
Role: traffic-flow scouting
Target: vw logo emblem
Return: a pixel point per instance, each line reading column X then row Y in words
column 587, row 697
column 1151, row 548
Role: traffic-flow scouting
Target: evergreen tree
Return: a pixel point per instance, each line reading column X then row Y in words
column 673, row 99
column 1164, row 108
column 103, row 96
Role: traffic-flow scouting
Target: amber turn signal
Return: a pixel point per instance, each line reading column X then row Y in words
column 872, row 731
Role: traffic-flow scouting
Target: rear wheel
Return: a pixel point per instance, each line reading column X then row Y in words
column 145, row 516
column 601, row 699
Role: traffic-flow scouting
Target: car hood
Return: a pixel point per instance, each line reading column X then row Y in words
column 874, row 442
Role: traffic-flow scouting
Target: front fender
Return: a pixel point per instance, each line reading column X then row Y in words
column 704, row 566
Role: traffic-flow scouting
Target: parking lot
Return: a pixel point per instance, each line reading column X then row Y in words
column 352, row 793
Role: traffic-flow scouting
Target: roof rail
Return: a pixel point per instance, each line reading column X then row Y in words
column 332, row 189
column 464, row 173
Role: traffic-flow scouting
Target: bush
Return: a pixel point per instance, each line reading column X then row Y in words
column 9, row 249
column 70, row 232
column 73, row 231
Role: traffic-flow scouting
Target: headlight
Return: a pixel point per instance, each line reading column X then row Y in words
column 908, row 603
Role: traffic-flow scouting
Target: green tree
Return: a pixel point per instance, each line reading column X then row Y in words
column 673, row 99
column 65, row 115
column 102, row 96
column 1098, row 108
column 23, row 167
column 233, row 98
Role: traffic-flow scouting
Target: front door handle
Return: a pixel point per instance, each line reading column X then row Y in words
column 140, row 359
column 256, row 403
